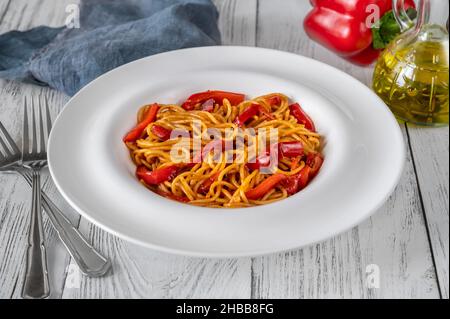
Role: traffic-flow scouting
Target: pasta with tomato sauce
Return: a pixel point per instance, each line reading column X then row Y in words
column 217, row 179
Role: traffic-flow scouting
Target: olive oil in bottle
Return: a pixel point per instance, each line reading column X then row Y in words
column 413, row 82
column 411, row 75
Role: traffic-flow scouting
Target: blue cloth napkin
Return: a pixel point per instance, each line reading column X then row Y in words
column 111, row 33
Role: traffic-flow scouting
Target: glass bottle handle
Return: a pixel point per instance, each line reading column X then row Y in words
column 404, row 21
column 402, row 18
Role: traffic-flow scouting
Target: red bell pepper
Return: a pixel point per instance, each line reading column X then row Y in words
column 345, row 27
column 285, row 149
column 290, row 149
column 249, row 112
column 217, row 96
column 274, row 100
column 199, row 156
column 157, row 176
column 162, row 132
column 137, row 131
column 182, row 199
column 302, row 117
column 314, row 161
column 296, row 183
column 208, row 106
column 262, row 160
column 266, row 186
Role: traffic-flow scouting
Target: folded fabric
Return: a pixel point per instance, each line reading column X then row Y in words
column 110, row 33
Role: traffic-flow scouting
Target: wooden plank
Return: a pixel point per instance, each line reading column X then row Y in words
column 15, row 195
column 237, row 21
column 143, row 273
column 431, row 158
column 25, row 14
column 394, row 239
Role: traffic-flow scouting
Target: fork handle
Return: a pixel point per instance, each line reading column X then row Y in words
column 36, row 284
column 88, row 259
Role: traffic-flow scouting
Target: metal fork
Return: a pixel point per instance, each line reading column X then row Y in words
column 36, row 284
column 90, row 261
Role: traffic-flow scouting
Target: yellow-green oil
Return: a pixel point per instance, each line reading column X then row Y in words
column 413, row 82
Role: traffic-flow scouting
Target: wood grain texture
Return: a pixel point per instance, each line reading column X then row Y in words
column 431, row 157
column 15, row 195
column 142, row 273
column 237, row 21
column 394, row 239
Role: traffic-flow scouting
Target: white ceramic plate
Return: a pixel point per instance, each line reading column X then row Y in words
column 364, row 153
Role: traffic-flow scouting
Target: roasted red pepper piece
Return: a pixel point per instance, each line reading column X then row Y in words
column 314, row 161
column 285, row 149
column 251, row 111
column 290, row 149
column 247, row 114
column 304, row 177
column 297, row 182
column 343, row 26
column 217, row 96
column 157, row 176
column 182, row 199
column 274, row 100
column 137, row 131
column 266, row 186
column 302, row 117
column 262, row 160
column 206, row 149
column 208, row 106
column 162, row 132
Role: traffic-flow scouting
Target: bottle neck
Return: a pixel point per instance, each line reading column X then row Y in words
column 432, row 12
column 431, row 23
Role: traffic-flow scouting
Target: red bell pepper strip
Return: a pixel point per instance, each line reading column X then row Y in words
column 266, row 186
column 314, row 161
column 302, row 117
column 161, row 132
column 304, row 177
column 208, row 106
column 247, row 114
column 285, row 149
column 206, row 149
column 157, row 176
column 251, row 111
column 294, row 184
column 206, row 185
column 182, row 199
column 274, row 100
column 217, row 96
column 262, row 160
column 290, row 149
column 345, row 27
column 137, row 131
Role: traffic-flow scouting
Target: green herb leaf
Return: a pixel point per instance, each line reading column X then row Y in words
column 388, row 29
column 377, row 39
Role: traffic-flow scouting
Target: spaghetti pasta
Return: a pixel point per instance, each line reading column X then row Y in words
column 213, row 174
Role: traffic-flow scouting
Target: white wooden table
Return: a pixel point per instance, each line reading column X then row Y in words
column 408, row 238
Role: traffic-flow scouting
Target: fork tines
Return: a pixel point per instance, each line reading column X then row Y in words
column 40, row 130
column 8, row 148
